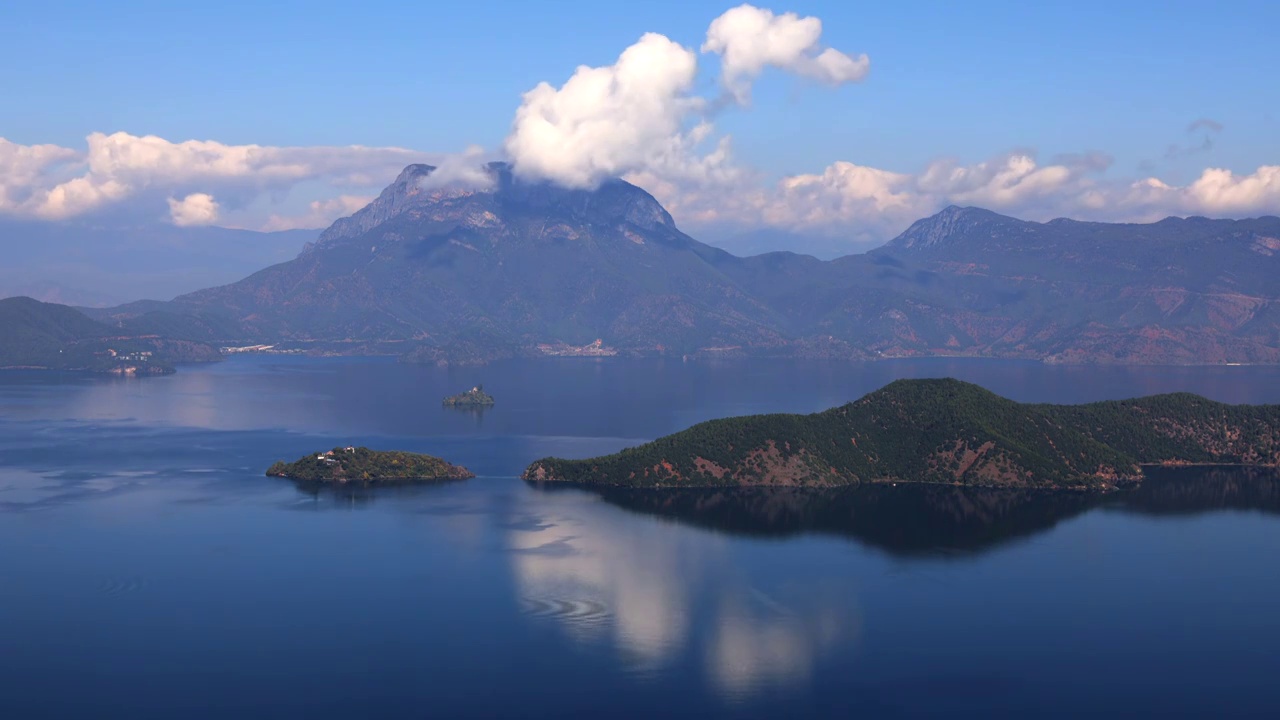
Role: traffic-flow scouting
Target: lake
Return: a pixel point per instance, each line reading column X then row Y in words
column 149, row 570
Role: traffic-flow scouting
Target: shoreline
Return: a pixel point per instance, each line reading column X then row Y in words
column 1118, row 485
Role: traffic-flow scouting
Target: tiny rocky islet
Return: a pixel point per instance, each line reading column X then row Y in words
column 475, row 397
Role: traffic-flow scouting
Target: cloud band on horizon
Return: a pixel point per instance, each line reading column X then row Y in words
column 640, row 119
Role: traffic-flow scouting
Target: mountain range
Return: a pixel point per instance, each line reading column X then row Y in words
column 459, row 274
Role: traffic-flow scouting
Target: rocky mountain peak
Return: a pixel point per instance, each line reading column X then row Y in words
column 613, row 203
column 394, row 199
column 951, row 225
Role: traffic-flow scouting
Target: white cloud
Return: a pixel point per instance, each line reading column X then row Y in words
column 52, row 182
column 640, row 117
column 23, row 168
column 608, row 121
column 749, row 38
column 1220, row 191
column 194, row 209
column 866, row 204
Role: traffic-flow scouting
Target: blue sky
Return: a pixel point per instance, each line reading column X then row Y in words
column 968, row 81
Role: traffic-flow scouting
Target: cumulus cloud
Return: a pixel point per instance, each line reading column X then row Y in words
column 194, row 209
column 1218, row 191
column 53, row 182
column 607, row 121
column 865, row 204
column 640, row 115
column 26, row 167
column 640, row 119
column 749, row 38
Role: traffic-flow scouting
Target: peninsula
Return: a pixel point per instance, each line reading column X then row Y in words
column 360, row 465
column 942, row 431
column 475, row 397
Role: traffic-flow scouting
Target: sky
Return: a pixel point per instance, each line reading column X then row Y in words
column 840, row 120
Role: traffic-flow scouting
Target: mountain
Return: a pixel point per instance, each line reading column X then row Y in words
column 766, row 240
column 47, row 336
column 970, row 282
column 524, row 268
column 1189, row 290
column 942, row 431
column 102, row 263
column 498, row 270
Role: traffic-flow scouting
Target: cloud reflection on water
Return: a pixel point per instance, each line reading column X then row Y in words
column 764, row 644
column 656, row 594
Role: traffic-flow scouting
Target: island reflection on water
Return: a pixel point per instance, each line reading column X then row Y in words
column 146, row 536
column 654, row 596
column 907, row 519
column 918, row 519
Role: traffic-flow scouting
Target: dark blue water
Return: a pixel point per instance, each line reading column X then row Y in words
column 148, row 570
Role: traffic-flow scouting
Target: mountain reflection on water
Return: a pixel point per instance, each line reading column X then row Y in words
column 917, row 519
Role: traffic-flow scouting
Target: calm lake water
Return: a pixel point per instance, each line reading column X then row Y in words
column 149, row 570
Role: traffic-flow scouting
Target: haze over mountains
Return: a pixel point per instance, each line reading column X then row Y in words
column 464, row 274
column 107, row 262
column 47, row 336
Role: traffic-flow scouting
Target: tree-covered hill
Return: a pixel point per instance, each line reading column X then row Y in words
column 942, row 431
column 365, row 466
column 49, row 336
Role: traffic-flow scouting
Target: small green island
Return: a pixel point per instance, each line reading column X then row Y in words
column 942, row 431
column 360, row 465
column 475, row 397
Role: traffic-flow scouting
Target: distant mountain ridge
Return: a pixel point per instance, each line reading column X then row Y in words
column 458, row 274
column 950, row 224
column 104, row 262
column 47, row 336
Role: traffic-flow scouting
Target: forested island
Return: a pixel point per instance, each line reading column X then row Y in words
column 942, row 431
column 475, row 397
column 360, row 465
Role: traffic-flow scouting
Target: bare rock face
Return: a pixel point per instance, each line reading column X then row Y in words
column 394, row 199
